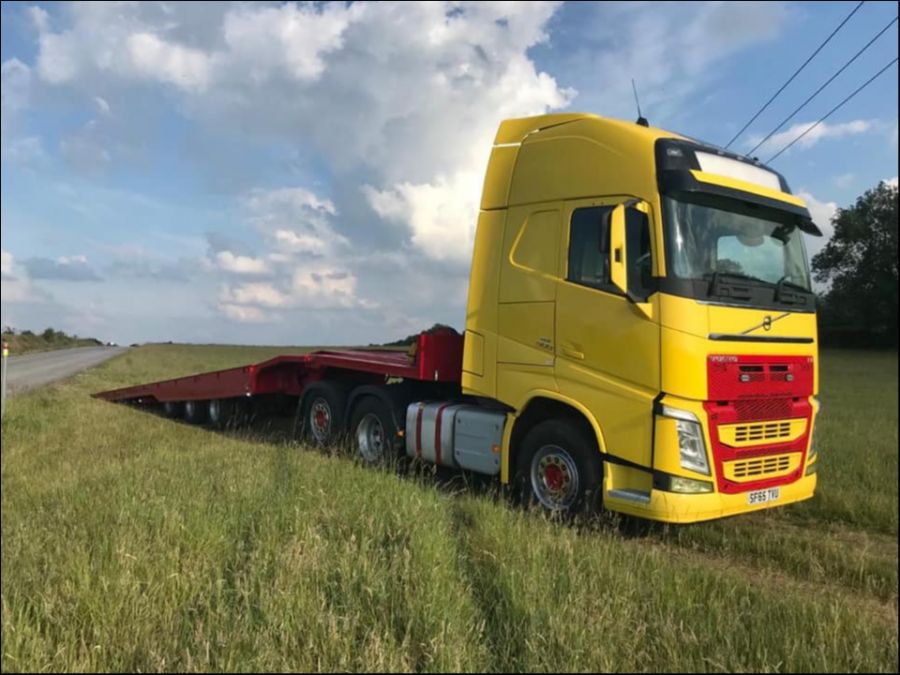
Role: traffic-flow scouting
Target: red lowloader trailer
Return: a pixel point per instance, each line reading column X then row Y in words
column 367, row 391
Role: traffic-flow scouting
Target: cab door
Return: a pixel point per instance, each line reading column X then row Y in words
column 607, row 352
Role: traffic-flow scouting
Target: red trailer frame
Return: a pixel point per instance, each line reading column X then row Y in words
column 437, row 357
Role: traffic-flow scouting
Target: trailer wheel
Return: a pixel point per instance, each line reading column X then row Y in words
column 195, row 412
column 559, row 469
column 173, row 409
column 221, row 412
column 373, row 431
column 322, row 408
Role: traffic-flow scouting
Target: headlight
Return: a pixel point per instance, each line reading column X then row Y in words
column 691, row 446
column 689, row 485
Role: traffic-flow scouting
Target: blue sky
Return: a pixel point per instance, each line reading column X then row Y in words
column 309, row 174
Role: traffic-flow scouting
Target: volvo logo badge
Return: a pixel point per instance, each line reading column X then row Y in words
column 767, row 323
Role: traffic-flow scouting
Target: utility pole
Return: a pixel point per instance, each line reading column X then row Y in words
column 3, row 379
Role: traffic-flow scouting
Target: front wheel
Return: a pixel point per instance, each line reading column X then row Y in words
column 559, row 469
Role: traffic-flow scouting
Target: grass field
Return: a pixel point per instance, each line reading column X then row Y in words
column 134, row 543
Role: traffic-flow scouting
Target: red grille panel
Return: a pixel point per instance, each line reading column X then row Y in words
column 757, row 389
column 733, row 377
column 752, row 409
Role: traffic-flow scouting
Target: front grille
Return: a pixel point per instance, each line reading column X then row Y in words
column 754, row 434
column 764, row 431
column 762, row 408
column 761, row 466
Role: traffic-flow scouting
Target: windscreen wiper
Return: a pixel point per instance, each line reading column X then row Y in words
column 718, row 276
column 784, row 283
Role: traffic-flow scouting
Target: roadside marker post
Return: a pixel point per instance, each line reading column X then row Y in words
column 3, row 379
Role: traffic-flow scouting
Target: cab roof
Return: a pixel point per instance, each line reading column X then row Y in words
column 515, row 130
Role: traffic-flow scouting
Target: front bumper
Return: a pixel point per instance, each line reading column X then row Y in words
column 671, row 507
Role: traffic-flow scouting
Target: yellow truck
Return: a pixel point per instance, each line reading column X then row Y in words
column 640, row 335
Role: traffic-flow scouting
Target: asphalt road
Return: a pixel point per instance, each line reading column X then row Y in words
column 34, row 370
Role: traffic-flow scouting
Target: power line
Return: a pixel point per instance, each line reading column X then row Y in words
column 816, row 93
column 797, row 72
column 834, row 109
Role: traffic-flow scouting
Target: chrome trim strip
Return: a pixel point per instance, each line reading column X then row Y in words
column 631, row 495
column 729, row 337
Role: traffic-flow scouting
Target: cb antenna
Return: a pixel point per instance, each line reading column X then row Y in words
column 641, row 119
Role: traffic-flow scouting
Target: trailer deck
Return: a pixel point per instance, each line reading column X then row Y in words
column 436, row 357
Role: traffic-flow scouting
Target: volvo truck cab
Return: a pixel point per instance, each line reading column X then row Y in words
column 647, row 297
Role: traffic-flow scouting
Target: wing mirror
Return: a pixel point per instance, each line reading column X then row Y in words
column 618, row 254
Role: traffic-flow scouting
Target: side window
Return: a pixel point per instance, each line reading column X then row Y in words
column 589, row 247
column 639, row 258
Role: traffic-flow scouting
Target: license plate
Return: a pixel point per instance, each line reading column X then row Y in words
column 763, row 496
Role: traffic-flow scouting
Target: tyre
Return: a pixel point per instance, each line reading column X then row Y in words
column 173, row 409
column 195, row 412
column 322, row 413
column 559, row 469
column 373, row 432
column 222, row 413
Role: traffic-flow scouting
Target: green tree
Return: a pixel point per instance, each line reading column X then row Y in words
column 860, row 264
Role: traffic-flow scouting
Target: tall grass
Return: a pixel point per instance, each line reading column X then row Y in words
column 130, row 542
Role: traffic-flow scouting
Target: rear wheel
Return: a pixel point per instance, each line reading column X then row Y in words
column 373, row 432
column 559, row 469
column 173, row 409
column 195, row 412
column 322, row 413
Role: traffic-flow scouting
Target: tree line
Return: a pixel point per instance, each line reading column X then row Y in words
column 858, row 269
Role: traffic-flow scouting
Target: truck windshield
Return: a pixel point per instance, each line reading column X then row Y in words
column 708, row 237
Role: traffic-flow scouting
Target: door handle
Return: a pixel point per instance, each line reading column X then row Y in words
column 573, row 353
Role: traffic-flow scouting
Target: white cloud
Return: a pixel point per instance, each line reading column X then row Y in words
column 819, row 133
column 308, row 262
column 156, row 59
column 240, row 264
column 290, row 38
column 158, row 43
column 891, row 181
column 7, row 265
column 16, row 85
column 16, row 286
column 294, row 220
column 263, row 294
column 410, row 94
column 323, row 287
column 102, row 105
column 242, row 313
column 39, row 17
column 288, row 240
column 822, row 213
column 58, row 59
column 442, row 214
